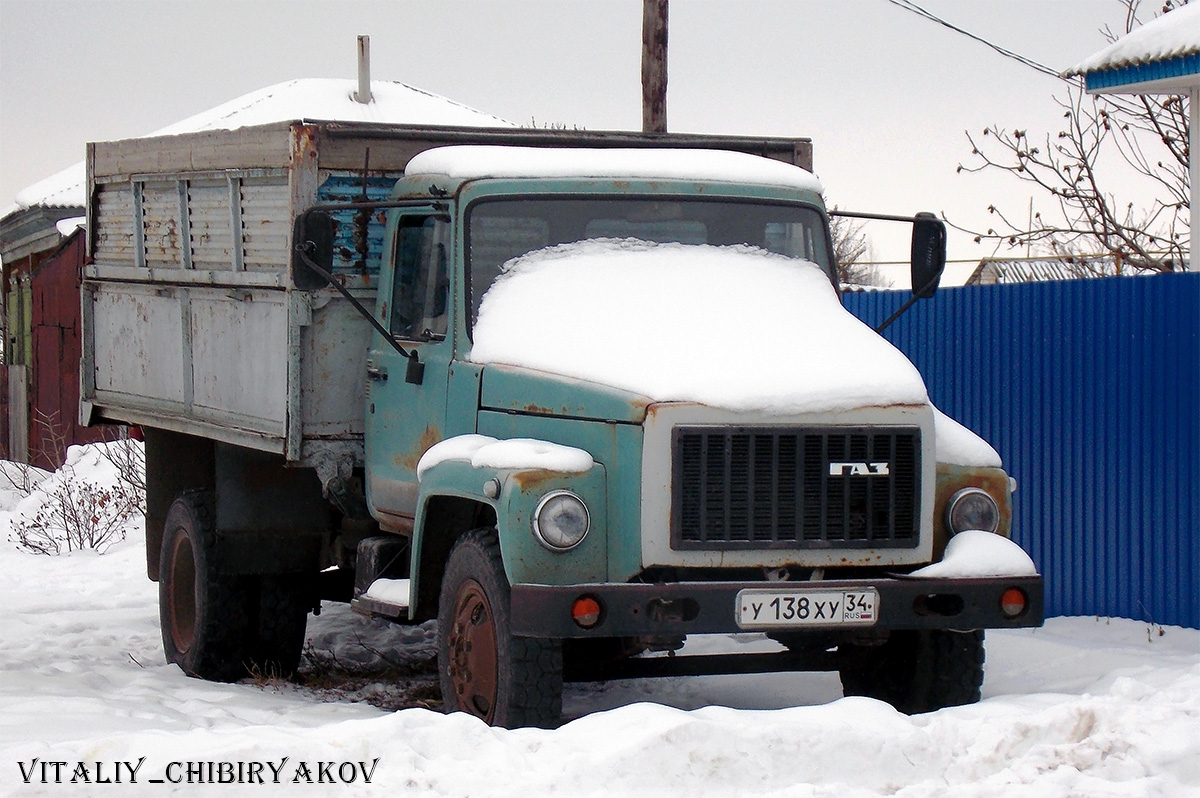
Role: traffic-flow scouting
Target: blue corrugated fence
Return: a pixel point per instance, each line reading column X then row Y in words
column 1090, row 390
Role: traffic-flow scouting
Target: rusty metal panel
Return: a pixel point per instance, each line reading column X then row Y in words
column 334, row 354
column 266, row 221
column 353, row 253
column 139, row 345
column 212, row 240
column 246, row 148
column 5, row 441
column 1088, row 390
column 113, row 238
column 239, row 368
column 162, row 225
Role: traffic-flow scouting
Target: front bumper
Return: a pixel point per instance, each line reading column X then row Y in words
column 632, row 610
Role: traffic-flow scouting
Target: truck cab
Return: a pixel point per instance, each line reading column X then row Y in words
column 649, row 417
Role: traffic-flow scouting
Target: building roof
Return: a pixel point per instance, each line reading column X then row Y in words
column 1002, row 271
column 308, row 99
column 1162, row 56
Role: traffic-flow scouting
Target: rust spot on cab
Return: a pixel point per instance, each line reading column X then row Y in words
column 428, row 438
column 535, row 478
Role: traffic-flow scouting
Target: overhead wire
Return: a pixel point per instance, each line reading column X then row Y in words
column 912, row 7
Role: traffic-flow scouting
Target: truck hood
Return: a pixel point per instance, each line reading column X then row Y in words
column 736, row 328
column 539, row 393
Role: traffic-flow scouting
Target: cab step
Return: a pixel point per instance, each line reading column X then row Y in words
column 385, row 598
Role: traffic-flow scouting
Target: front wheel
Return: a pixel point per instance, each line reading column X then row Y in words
column 484, row 669
column 916, row 671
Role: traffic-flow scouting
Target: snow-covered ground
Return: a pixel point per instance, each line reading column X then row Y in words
column 1082, row 707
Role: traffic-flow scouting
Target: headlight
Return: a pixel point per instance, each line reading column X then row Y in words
column 561, row 520
column 972, row 508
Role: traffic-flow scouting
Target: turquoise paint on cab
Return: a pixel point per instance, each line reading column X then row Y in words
column 526, row 561
column 616, row 447
column 511, row 402
column 521, row 390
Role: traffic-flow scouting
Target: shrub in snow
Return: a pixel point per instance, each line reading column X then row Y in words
column 87, row 503
column 16, row 482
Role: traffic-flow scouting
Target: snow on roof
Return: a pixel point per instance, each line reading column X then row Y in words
column 333, row 100
column 465, row 162
column 314, row 98
column 1175, row 34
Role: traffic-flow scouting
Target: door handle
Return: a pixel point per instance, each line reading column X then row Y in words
column 378, row 373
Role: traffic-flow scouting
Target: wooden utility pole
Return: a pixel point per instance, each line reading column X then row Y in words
column 654, row 66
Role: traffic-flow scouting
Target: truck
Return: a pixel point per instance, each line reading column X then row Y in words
column 573, row 395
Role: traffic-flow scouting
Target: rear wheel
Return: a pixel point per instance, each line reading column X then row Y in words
column 222, row 626
column 917, row 671
column 204, row 615
column 484, row 669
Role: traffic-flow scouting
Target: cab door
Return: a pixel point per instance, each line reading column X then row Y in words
column 406, row 413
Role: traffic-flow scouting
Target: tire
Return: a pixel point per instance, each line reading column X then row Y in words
column 484, row 669
column 283, row 604
column 219, row 626
column 917, row 671
column 204, row 615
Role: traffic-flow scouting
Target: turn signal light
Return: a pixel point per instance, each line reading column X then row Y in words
column 1013, row 603
column 586, row 612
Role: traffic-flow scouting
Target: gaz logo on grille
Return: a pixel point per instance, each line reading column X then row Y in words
column 859, row 469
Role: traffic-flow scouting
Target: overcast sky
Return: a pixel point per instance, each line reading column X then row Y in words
column 885, row 95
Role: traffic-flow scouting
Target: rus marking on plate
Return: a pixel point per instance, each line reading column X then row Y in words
column 757, row 608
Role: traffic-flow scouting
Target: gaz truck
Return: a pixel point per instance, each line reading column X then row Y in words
column 574, row 395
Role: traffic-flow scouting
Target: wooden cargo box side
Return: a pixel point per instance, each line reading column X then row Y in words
column 191, row 320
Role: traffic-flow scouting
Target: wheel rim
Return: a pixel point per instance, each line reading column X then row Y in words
column 181, row 594
column 473, row 655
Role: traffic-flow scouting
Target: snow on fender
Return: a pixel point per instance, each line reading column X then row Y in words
column 978, row 554
column 483, row 451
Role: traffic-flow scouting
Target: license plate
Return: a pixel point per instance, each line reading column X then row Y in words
column 771, row 609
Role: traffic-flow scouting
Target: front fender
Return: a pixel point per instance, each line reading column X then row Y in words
column 513, row 495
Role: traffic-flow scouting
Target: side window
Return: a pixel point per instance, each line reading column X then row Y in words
column 421, row 287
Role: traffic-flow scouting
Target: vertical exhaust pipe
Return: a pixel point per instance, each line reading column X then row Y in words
column 363, row 95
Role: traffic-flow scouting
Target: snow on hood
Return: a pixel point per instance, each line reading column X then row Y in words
column 731, row 327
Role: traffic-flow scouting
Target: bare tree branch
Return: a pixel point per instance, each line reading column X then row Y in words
column 850, row 248
column 1085, row 167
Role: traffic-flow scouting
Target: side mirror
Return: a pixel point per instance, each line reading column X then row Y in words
column 312, row 238
column 928, row 254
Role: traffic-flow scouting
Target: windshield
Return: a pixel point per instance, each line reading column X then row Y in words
column 501, row 229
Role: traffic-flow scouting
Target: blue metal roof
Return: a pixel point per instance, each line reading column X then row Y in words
column 1179, row 67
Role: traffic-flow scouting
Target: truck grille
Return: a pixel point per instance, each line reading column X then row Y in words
column 750, row 488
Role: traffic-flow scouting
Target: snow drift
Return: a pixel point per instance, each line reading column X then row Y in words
column 1084, row 706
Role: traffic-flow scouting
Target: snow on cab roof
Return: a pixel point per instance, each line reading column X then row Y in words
column 470, row 162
